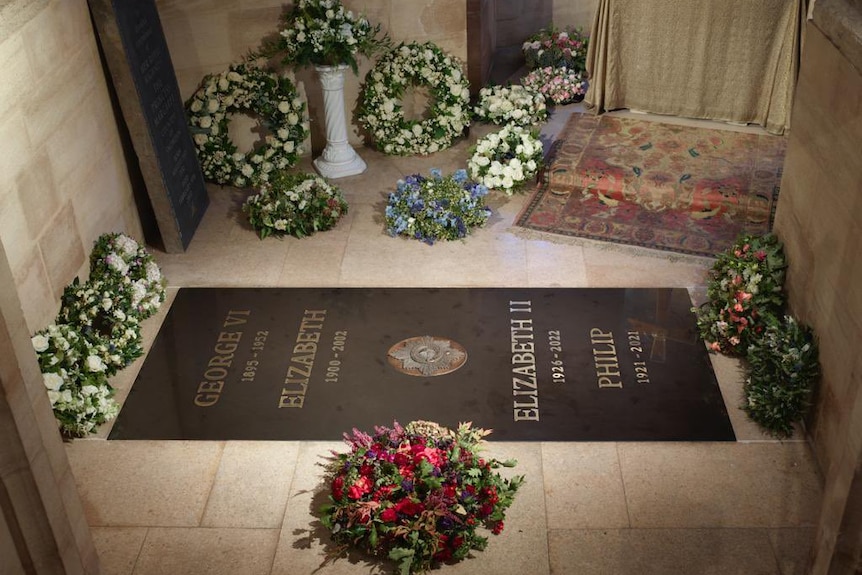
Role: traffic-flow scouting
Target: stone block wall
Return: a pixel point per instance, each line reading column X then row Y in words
column 63, row 176
column 575, row 13
column 818, row 219
column 206, row 36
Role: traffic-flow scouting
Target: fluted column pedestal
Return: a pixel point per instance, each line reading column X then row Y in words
column 339, row 159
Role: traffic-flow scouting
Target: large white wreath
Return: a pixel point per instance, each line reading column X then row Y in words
column 245, row 88
column 381, row 111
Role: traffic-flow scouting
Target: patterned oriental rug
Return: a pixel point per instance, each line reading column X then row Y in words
column 662, row 186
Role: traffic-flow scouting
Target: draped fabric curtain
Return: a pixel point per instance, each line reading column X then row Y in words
column 732, row 60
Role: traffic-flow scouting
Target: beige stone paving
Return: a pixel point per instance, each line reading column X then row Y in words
column 587, row 508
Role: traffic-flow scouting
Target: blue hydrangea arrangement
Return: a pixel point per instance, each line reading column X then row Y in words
column 436, row 208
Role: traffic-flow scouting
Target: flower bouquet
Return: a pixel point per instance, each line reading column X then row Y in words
column 323, row 33
column 436, row 208
column 557, row 48
column 121, row 260
column 558, row 85
column 417, row 494
column 744, row 290
column 75, row 378
column 296, row 205
column 782, row 369
column 504, row 160
column 519, row 105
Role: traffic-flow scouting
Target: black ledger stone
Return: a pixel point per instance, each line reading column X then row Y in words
column 540, row 364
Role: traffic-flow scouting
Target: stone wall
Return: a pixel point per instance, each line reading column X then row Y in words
column 818, row 218
column 205, row 36
column 63, row 177
column 63, row 182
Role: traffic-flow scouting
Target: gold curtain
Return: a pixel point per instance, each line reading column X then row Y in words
column 732, row 60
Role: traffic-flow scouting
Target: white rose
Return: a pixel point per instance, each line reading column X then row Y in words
column 201, row 139
column 95, row 363
column 288, row 146
column 40, row 342
column 284, row 107
column 292, row 119
column 88, row 390
column 223, row 84
column 197, row 106
column 54, row 396
column 206, row 122
column 247, row 170
column 212, row 106
column 52, row 381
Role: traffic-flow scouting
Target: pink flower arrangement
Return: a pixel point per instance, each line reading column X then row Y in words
column 416, row 494
column 558, row 85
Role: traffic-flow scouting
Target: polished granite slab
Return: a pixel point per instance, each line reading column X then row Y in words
column 560, row 364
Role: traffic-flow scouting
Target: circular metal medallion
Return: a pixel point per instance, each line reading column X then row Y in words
column 427, row 356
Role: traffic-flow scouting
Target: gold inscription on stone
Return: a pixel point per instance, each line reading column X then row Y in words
column 212, row 384
column 605, row 358
column 302, row 360
column 525, row 389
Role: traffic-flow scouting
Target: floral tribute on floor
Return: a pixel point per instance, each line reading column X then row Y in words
column 295, row 204
column 436, row 208
column 557, row 60
column 98, row 332
column 417, row 494
column 744, row 316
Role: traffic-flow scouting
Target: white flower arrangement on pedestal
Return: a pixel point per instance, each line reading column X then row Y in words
column 97, row 332
column 323, row 33
column 246, row 88
column 518, row 105
column 505, row 159
column 381, row 113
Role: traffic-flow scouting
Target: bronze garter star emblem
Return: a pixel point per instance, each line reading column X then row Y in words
column 427, row 356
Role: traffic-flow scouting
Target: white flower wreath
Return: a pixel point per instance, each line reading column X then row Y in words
column 381, row 110
column 517, row 105
column 245, row 88
column 505, row 159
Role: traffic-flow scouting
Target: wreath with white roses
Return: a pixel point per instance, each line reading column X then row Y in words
column 246, row 88
column 505, row 159
column 381, row 111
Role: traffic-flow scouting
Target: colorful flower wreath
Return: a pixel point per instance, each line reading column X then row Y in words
column 417, row 494
column 519, row 105
column 245, row 88
column 381, row 112
column 436, row 208
column 296, row 205
column 505, row 159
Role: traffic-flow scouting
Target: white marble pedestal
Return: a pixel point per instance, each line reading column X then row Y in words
column 338, row 159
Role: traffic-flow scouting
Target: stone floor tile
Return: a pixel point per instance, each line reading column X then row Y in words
column 251, row 485
column 583, row 486
column 720, row 484
column 144, row 483
column 792, row 547
column 613, row 265
column 661, row 552
column 226, row 264
column 118, row 548
column 555, row 265
column 206, row 551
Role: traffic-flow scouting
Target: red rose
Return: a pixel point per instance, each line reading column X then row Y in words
column 497, row 528
column 359, row 488
column 338, row 487
column 389, row 515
